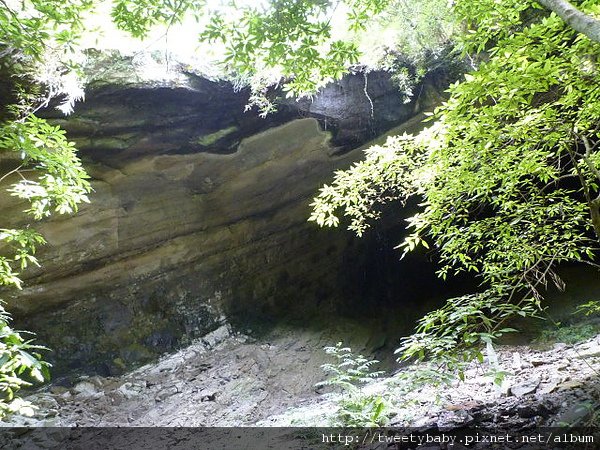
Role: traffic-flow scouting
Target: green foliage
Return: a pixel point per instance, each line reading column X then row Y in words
column 507, row 177
column 567, row 333
column 40, row 51
column 50, row 179
column 486, row 22
column 19, row 361
column 19, row 254
column 303, row 45
column 410, row 39
column 455, row 334
column 424, row 374
column 139, row 16
column 572, row 331
column 30, row 27
column 415, row 28
column 38, row 41
column 363, row 411
column 589, row 308
column 60, row 183
column 349, row 372
column 291, row 37
column 584, row 417
column 384, row 175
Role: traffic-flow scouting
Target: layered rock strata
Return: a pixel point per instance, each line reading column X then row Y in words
column 199, row 213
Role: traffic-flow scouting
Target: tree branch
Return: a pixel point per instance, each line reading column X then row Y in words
column 576, row 19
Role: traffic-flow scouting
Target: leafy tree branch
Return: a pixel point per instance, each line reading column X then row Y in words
column 576, row 19
column 494, row 177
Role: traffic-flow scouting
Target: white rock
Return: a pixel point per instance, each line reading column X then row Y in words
column 128, row 390
column 590, row 352
column 216, row 337
column 85, row 389
column 527, row 387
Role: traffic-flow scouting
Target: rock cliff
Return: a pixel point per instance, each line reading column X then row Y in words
column 198, row 215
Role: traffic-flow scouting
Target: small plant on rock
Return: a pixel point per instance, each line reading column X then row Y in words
column 363, row 411
column 349, row 372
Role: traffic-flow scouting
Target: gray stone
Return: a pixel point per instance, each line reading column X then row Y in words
column 568, row 384
column 516, row 363
column 525, row 388
column 592, row 351
column 85, row 389
column 216, row 337
column 208, row 395
column 451, row 421
column 550, row 386
column 576, row 415
column 527, row 411
column 166, row 393
column 537, row 362
column 128, row 390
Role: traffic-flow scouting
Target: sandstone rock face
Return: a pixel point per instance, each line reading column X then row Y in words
column 198, row 213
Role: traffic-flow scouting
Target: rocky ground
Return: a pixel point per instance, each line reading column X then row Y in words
column 541, row 388
column 223, row 379
column 234, row 380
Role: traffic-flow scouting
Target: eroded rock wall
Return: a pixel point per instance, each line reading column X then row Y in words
column 198, row 213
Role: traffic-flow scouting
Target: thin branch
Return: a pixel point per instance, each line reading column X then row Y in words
column 6, row 175
column 556, row 180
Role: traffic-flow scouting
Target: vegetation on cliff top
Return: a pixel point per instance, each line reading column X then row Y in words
column 507, row 175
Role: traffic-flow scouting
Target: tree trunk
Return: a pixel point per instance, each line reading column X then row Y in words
column 576, row 19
